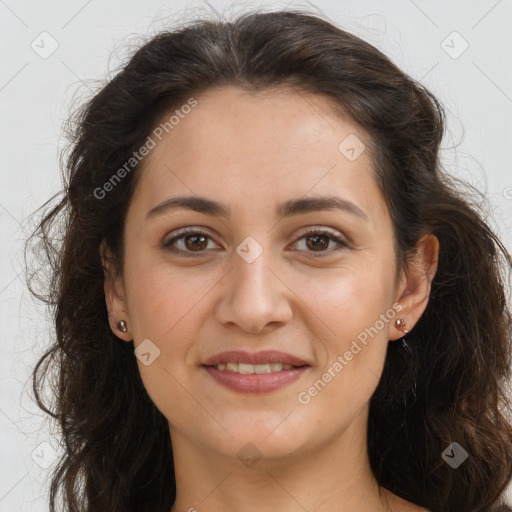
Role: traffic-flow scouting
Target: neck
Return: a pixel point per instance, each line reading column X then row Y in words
column 334, row 476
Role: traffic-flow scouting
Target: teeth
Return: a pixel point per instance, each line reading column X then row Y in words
column 246, row 369
column 264, row 368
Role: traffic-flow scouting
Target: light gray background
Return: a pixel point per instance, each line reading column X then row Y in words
column 36, row 95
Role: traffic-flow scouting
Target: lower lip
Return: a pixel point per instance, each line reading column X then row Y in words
column 256, row 382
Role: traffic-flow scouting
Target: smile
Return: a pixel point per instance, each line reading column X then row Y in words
column 255, row 378
column 247, row 369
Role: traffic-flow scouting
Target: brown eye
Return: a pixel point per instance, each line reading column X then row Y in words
column 191, row 242
column 195, row 243
column 317, row 242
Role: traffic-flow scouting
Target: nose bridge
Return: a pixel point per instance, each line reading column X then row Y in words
column 251, row 267
column 253, row 296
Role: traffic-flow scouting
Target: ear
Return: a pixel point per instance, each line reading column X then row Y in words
column 115, row 297
column 414, row 290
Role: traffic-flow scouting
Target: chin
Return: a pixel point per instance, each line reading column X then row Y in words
column 271, row 438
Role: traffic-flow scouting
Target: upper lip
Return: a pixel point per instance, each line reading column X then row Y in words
column 262, row 357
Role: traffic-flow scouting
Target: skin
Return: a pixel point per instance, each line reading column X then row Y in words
column 253, row 152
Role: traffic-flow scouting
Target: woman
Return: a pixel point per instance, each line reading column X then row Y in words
column 268, row 294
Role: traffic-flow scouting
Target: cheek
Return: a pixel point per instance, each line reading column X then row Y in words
column 163, row 299
column 351, row 298
column 355, row 309
column 166, row 307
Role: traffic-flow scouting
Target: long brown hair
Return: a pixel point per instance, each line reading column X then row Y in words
column 450, row 386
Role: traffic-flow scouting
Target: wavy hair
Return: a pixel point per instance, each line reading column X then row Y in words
column 451, row 386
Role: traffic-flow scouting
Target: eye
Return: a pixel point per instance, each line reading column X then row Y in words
column 319, row 239
column 194, row 242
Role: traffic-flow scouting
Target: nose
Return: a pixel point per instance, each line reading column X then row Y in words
column 254, row 296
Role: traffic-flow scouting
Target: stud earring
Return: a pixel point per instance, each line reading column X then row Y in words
column 400, row 324
column 121, row 325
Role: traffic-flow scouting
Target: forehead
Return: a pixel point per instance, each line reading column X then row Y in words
column 260, row 149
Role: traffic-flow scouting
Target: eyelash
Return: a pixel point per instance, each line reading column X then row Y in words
column 311, row 232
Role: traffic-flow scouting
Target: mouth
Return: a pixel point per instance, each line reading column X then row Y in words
column 258, row 373
column 249, row 369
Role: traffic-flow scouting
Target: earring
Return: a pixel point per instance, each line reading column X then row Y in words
column 400, row 323
column 121, row 325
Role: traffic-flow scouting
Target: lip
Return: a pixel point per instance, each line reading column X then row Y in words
column 255, row 383
column 262, row 357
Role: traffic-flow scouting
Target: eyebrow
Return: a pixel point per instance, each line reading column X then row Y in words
column 287, row 209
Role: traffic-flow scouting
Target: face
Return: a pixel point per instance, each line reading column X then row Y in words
column 253, row 280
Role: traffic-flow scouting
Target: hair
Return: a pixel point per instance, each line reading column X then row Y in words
column 450, row 386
